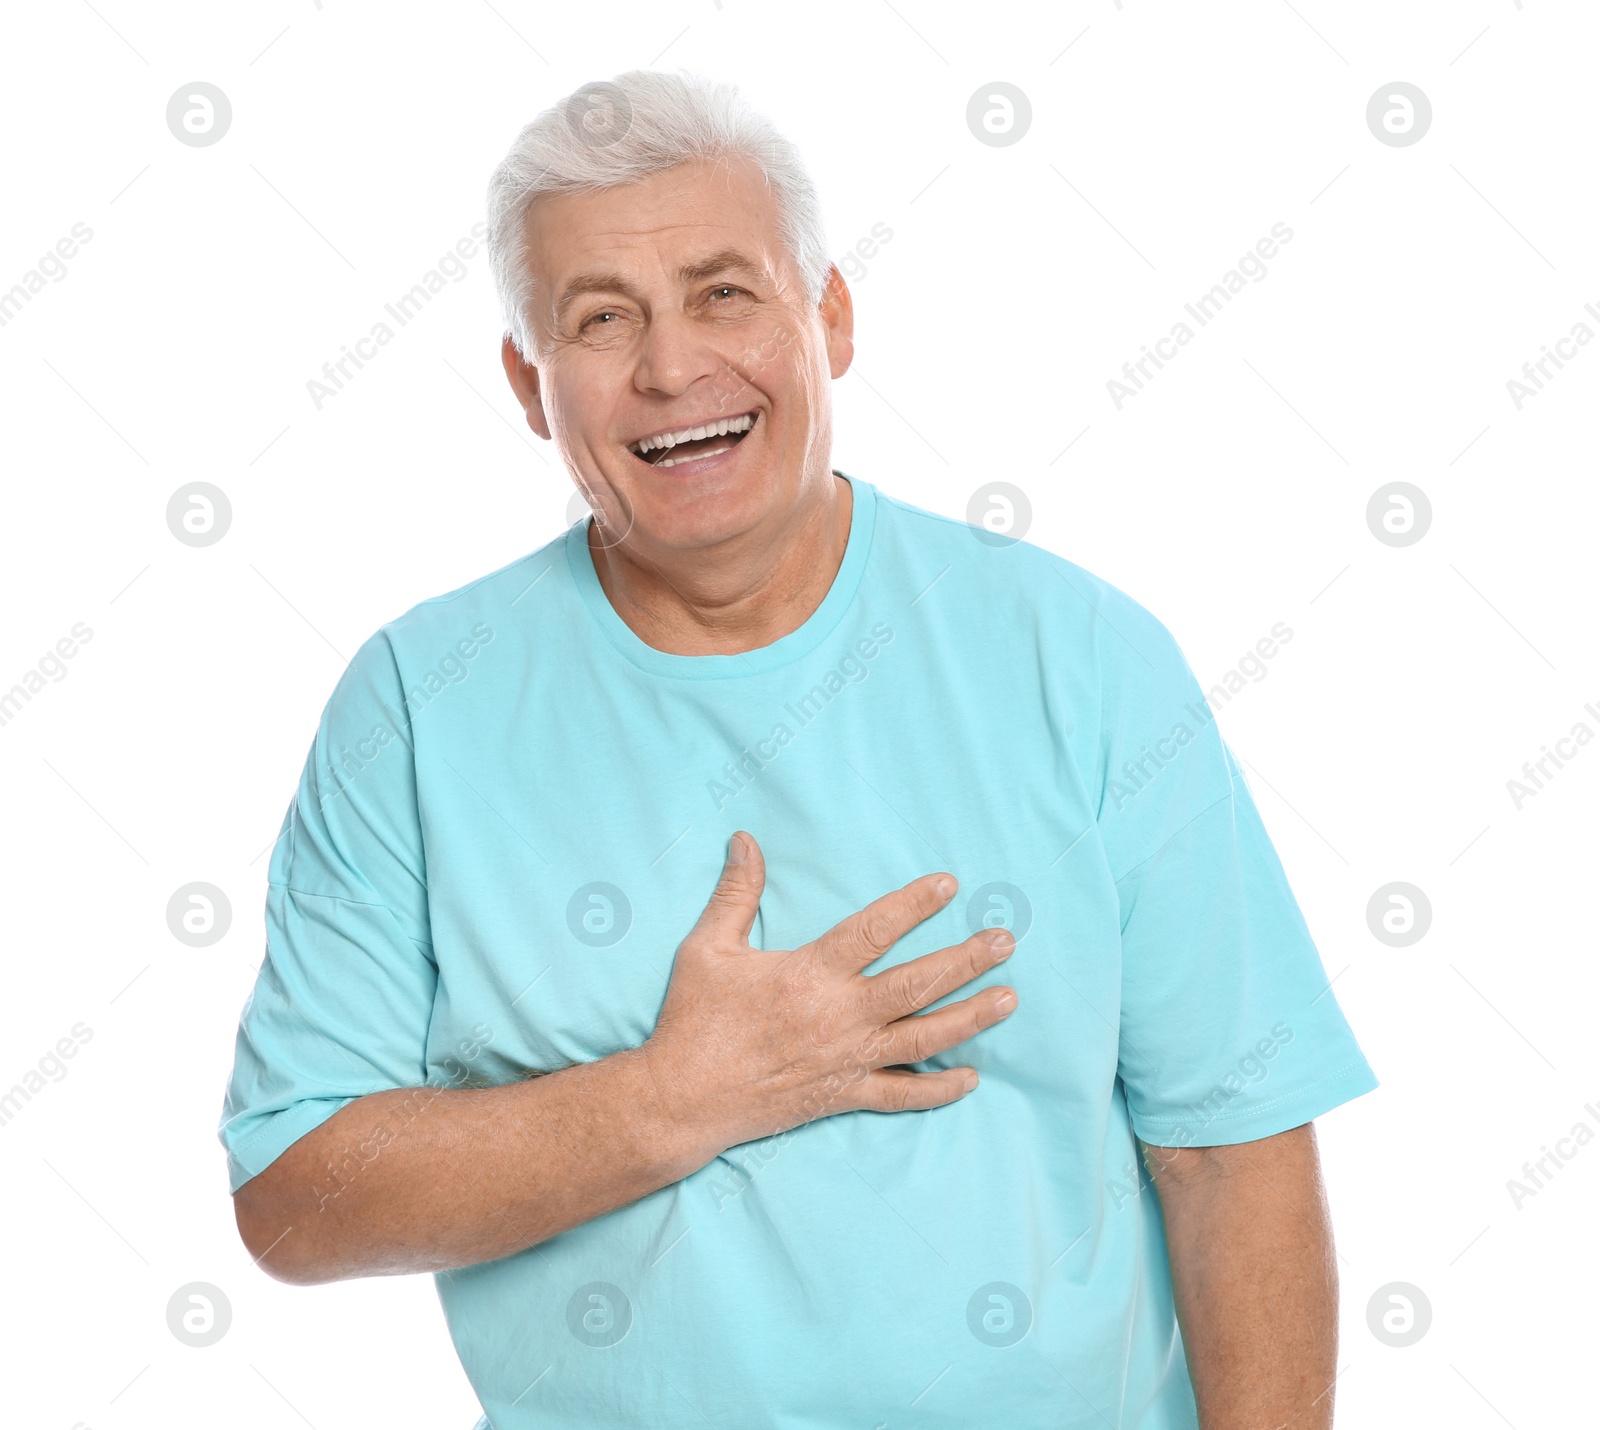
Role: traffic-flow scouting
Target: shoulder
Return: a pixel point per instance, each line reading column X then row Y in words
column 469, row 616
column 1027, row 586
column 493, row 597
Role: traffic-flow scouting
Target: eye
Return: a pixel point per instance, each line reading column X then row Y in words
column 598, row 316
column 726, row 288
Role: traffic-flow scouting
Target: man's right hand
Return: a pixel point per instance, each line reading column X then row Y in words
column 749, row 1043
column 752, row 1042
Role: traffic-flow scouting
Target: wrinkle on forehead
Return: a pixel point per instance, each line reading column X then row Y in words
column 760, row 242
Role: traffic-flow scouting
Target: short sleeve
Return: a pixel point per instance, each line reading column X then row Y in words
column 343, row 1000
column 1229, row 1028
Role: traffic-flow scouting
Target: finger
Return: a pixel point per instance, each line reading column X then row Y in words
column 870, row 932
column 894, row 1090
column 730, row 912
column 910, row 1040
column 920, row 981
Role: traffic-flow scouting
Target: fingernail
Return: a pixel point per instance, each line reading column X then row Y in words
column 1005, row 1002
column 735, row 850
column 1001, row 942
column 945, row 885
column 972, row 1081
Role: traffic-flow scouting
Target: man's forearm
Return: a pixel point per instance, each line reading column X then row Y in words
column 1254, row 1278
column 747, row 1044
column 427, row 1179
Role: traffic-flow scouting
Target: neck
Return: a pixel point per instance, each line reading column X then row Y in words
column 757, row 589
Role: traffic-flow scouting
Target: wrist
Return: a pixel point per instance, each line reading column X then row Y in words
column 676, row 1124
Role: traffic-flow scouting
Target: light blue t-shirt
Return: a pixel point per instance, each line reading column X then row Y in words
column 513, row 811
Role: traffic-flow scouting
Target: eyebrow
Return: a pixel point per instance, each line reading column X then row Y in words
column 724, row 260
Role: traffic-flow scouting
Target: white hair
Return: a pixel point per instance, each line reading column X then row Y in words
column 612, row 132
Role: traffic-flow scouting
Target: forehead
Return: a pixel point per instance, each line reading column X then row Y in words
column 653, row 227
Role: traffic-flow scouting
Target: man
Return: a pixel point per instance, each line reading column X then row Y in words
column 743, row 946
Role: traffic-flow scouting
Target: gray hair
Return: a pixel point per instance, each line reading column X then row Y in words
column 612, row 132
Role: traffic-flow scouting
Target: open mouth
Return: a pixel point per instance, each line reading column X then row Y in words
column 688, row 444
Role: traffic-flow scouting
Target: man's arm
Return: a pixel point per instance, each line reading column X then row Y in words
column 428, row 1179
column 749, row 1043
column 1254, row 1278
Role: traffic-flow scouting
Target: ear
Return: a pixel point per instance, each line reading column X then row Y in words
column 524, row 378
column 838, row 321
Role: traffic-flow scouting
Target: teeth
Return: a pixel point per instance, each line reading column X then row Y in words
column 676, row 461
column 720, row 428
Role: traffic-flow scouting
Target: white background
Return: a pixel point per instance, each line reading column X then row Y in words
column 1227, row 496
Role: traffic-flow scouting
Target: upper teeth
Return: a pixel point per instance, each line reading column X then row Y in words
column 720, row 428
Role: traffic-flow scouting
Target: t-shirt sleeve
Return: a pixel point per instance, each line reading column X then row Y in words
column 1229, row 1028
column 343, row 1000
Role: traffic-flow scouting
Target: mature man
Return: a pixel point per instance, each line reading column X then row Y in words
column 617, row 966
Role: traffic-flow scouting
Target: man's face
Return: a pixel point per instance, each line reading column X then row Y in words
column 661, row 306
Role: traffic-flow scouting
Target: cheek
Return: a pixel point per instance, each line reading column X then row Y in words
column 771, row 355
column 797, row 381
column 579, row 404
column 809, row 376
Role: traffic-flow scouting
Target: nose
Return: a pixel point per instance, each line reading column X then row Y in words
column 675, row 354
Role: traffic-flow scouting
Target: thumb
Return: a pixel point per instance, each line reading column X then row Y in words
column 730, row 913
